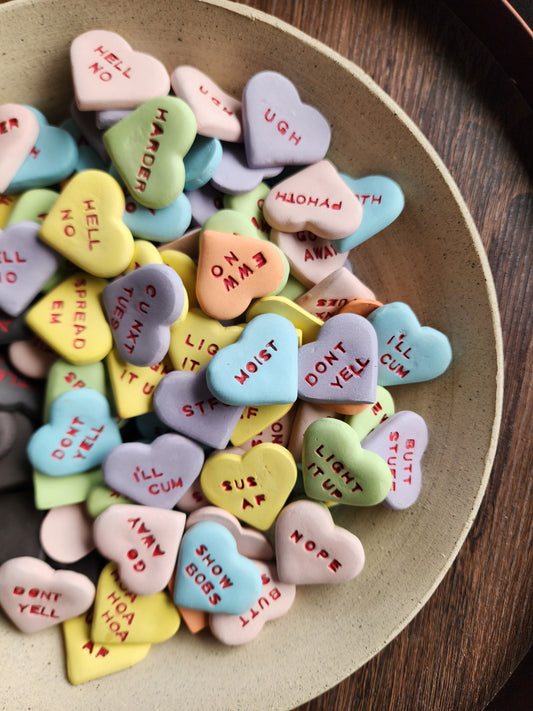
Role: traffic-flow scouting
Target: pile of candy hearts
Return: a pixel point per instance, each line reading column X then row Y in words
column 201, row 376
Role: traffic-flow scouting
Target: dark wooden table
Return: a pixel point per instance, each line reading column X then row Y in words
column 477, row 627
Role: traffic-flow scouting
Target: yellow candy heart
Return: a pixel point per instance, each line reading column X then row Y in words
column 70, row 319
column 255, row 419
column 87, row 660
column 185, row 267
column 122, row 617
column 195, row 341
column 133, row 386
column 144, row 252
column 302, row 319
column 254, row 486
column 7, row 203
column 85, row 225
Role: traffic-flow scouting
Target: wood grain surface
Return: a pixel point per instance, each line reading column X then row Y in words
column 477, row 627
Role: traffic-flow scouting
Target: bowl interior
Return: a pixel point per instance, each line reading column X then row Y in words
column 431, row 258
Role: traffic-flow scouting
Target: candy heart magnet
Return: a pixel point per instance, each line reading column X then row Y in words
column 141, row 306
column 122, row 617
column 80, row 433
column 337, row 469
column 19, row 129
column 85, row 224
column 310, row 548
column 341, row 365
column 278, row 128
column 147, row 148
column 184, row 402
column 254, row 486
column 143, row 541
column 211, row 575
column 408, row 352
column 261, row 367
column 401, row 441
column 155, row 474
column 275, row 600
column 35, row 596
column 27, row 264
column 108, row 74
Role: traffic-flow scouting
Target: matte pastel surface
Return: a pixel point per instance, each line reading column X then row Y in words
column 155, row 474
column 31, row 265
column 235, row 580
column 71, row 593
column 311, row 549
column 354, row 143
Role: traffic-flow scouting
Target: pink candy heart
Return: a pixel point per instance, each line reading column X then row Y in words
column 310, row 548
column 108, row 74
column 35, row 596
column 19, row 129
column 143, row 541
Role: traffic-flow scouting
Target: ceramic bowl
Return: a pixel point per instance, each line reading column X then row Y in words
column 431, row 258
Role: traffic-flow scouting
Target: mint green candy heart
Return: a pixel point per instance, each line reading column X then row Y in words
column 50, row 491
column 364, row 422
column 251, row 205
column 231, row 222
column 33, row 205
column 338, row 470
column 147, row 148
column 64, row 376
column 101, row 498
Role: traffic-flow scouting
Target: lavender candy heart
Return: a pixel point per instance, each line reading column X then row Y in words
column 341, row 365
column 156, row 474
column 26, row 264
column 401, row 441
column 183, row 401
column 234, row 176
column 141, row 306
column 278, row 128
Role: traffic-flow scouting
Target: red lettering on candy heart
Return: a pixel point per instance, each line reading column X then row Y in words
column 8, row 125
column 307, row 200
column 111, row 59
column 321, row 553
column 252, row 366
column 149, row 155
column 242, row 270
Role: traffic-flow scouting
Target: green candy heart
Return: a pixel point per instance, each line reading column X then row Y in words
column 251, row 205
column 32, row 205
column 64, row 376
column 231, row 222
column 338, row 470
column 101, row 498
column 51, row 491
column 147, row 148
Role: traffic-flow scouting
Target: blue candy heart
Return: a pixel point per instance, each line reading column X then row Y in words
column 80, row 433
column 53, row 158
column 201, row 161
column 382, row 200
column 407, row 351
column 211, row 575
column 162, row 225
column 261, row 368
